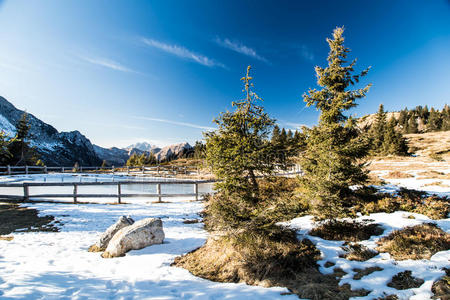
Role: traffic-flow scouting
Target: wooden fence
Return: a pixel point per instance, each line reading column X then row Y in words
column 25, row 186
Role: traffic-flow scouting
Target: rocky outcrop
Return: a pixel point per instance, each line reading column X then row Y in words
column 106, row 237
column 141, row 234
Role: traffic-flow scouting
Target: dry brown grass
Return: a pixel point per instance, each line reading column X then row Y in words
column 415, row 242
column 6, row 238
column 358, row 252
column 431, row 174
column 350, row 231
column 407, row 200
column 437, row 183
column 14, row 217
column 430, row 144
column 360, row 273
column 404, row 280
column 267, row 261
column 398, row 175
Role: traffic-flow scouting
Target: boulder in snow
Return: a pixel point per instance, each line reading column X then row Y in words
column 141, row 234
column 103, row 242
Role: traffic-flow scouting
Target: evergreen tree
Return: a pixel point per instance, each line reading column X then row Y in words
column 5, row 155
column 403, row 119
column 378, row 128
column 394, row 142
column 199, row 150
column 412, row 124
column 434, row 121
column 445, row 118
column 238, row 150
column 275, row 135
column 21, row 151
column 331, row 162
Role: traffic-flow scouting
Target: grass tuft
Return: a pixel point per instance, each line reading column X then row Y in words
column 360, row 273
column 415, row 242
column 350, row 231
column 358, row 252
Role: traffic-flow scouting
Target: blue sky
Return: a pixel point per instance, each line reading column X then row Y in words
column 160, row 71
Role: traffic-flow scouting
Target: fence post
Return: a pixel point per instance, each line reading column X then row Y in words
column 128, row 169
column 45, row 170
column 75, row 190
column 26, row 170
column 81, row 169
column 158, row 191
column 113, row 169
column 26, row 192
column 62, row 169
column 119, row 192
column 9, row 170
column 143, row 170
column 157, row 170
column 196, row 191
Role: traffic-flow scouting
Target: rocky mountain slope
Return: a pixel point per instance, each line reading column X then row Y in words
column 54, row 148
column 66, row 148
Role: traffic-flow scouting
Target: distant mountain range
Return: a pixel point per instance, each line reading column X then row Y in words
column 66, row 148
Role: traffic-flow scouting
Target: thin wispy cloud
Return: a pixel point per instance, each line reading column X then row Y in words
column 239, row 48
column 108, row 63
column 306, row 53
column 183, row 52
column 185, row 124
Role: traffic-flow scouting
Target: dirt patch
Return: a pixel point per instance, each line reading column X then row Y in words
column 360, row 273
column 415, row 242
column 14, row 217
column 350, row 231
column 404, row 281
column 266, row 260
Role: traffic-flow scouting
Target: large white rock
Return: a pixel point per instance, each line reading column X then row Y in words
column 103, row 242
column 141, row 234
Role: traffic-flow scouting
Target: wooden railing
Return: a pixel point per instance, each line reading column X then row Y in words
column 25, row 186
column 160, row 170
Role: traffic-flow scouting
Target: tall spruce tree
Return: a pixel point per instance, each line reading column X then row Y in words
column 239, row 149
column 331, row 162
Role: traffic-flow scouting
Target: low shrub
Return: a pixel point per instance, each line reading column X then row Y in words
column 358, row 252
column 415, row 242
column 404, row 280
column 350, row 231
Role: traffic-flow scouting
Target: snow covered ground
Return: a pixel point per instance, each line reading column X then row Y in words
column 56, row 265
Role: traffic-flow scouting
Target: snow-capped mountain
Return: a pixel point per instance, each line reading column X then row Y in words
column 144, row 146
